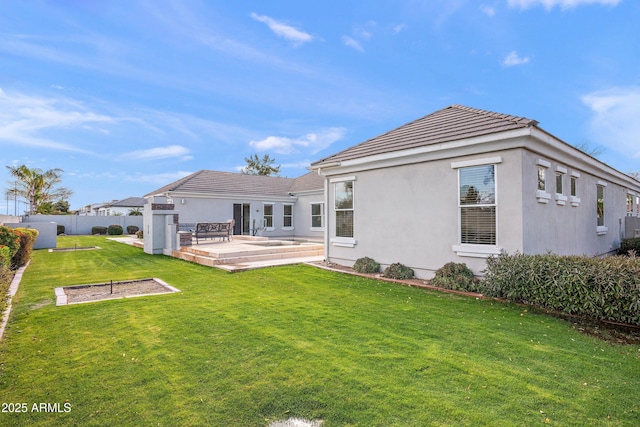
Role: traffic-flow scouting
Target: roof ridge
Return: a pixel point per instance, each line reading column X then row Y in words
column 515, row 119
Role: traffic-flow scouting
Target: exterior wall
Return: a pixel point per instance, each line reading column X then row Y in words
column 75, row 224
column 302, row 218
column 571, row 228
column 202, row 209
column 409, row 214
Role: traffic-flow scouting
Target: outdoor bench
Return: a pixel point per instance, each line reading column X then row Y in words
column 204, row 230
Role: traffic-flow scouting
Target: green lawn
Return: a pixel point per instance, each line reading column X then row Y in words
column 249, row 348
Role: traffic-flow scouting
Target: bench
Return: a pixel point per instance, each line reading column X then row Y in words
column 204, row 230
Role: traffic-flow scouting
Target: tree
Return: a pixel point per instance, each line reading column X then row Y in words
column 135, row 212
column 592, row 150
column 37, row 186
column 257, row 166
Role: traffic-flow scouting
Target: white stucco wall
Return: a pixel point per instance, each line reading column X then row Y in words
column 408, row 213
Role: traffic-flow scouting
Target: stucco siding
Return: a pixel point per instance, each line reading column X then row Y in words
column 409, row 214
column 570, row 228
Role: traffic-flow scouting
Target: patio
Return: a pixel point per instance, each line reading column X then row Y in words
column 245, row 252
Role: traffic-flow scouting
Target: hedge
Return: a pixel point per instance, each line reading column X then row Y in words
column 9, row 239
column 366, row 265
column 630, row 245
column 132, row 229
column 115, row 230
column 98, row 229
column 27, row 238
column 456, row 276
column 398, row 271
column 599, row 288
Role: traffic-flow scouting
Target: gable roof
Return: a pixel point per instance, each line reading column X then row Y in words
column 216, row 182
column 452, row 123
column 129, row 202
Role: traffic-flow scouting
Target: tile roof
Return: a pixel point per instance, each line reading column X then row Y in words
column 449, row 124
column 216, row 182
column 129, row 202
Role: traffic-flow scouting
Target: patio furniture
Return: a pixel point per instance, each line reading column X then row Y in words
column 212, row 230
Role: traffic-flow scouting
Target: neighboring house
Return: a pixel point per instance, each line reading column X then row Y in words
column 463, row 184
column 121, row 207
column 261, row 205
column 89, row 210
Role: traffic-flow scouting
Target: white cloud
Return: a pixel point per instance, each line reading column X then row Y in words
column 353, row 43
column 615, row 118
column 315, row 141
column 283, row 30
column 26, row 119
column 488, row 10
column 399, row 28
column 157, row 153
column 513, row 59
column 564, row 4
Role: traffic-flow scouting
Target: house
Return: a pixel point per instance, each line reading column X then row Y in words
column 291, row 208
column 121, row 207
column 461, row 185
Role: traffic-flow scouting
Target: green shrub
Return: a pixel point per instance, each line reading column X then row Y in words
column 5, row 257
column 10, row 239
column 456, row 276
column 60, row 229
column 115, row 230
column 366, row 265
column 398, row 271
column 599, row 288
column 132, row 229
column 628, row 245
column 27, row 238
column 6, row 275
column 98, row 229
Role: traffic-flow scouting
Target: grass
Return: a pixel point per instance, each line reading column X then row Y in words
column 249, row 348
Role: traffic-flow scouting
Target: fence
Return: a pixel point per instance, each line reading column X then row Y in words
column 75, row 224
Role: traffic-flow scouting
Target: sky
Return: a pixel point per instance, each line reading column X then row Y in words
column 128, row 96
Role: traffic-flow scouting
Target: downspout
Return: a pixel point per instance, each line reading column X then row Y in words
column 326, row 217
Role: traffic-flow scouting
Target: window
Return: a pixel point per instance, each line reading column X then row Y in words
column 574, row 180
column 477, row 205
column 630, row 205
column 573, row 190
column 317, row 212
column 288, row 216
column 268, row 216
column 638, row 205
column 600, row 205
column 344, row 208
column 559, row 183
column 541, row 193
column 542, row 179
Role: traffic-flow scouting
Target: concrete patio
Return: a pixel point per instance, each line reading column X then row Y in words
column 250, row 252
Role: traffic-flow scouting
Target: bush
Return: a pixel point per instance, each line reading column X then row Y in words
column 27, row 238
column 398, row 271
column 5, row 282
column 456, row 276
column 60, row 229
column 629, row 245
column 132, row 229
column 98, row 229
column 366, row 265
column 599, row 288
column 5, row 257
column 115, row 230
column 10, row 239
column 140, row 234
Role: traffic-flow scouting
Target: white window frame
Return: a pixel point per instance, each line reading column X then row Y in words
column 272, row 216
column 573, row 198
column 340, row 241
column 321, row 215
column 630, row 196
column 541, row 193
column 477, row 250
column 286, row 227
column 601, row 228
column 561, row 198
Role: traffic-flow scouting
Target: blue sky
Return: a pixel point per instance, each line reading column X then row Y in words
column 127, row 96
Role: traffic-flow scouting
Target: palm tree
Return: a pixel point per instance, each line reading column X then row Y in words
column 37, row 186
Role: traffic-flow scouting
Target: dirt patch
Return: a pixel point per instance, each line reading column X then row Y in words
column 112, row 290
